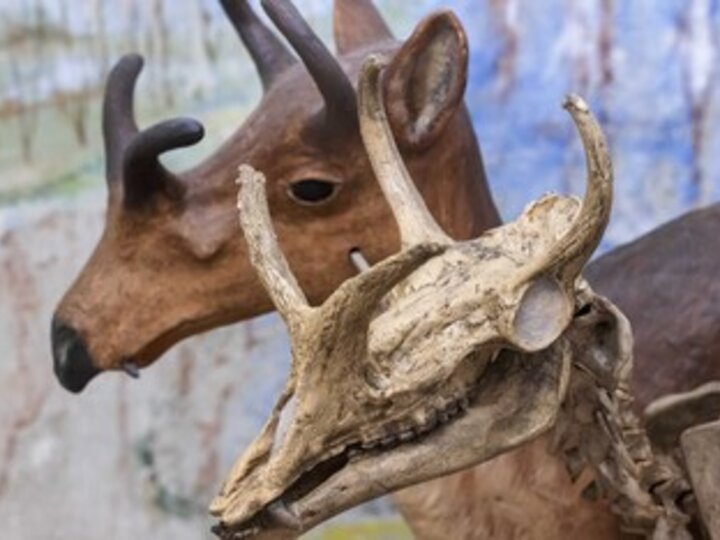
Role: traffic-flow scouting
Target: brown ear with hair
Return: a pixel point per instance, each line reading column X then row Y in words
column 425, row 81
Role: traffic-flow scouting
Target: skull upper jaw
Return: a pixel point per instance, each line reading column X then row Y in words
column 515, row 400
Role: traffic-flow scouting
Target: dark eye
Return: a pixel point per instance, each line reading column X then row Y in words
column 583, row 310
column 313, row 191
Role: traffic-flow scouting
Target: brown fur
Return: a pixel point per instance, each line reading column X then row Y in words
column 206, row 277
column 524, row 494
column 176, row 269
column 667, row 284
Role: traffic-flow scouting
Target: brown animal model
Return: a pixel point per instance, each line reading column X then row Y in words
column 170, row 263
column 668, row 284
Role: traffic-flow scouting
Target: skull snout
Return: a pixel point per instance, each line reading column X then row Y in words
column 72, row 362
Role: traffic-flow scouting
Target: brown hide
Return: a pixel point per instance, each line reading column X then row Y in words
column 666, row 283
column 523, row 494
column 173, row 264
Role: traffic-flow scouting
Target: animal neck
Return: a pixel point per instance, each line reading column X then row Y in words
column 525, row 493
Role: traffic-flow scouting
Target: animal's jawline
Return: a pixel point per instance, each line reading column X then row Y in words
column 278, row 513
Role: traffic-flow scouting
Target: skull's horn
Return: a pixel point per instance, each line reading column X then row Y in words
column 271, row 57
column 265, row 254
column 413, row 217
column 574, row 249
column 143, row 174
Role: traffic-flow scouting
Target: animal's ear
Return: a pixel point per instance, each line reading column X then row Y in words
column 358, row 24
column 425, row 81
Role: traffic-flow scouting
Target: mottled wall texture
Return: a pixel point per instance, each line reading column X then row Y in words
column 141, row 459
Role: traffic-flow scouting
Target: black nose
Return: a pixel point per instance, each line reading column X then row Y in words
column 73, row 365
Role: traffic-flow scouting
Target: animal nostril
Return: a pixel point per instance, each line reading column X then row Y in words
column 72, row 363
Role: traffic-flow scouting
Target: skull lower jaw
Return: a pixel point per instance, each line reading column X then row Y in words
column 515, row 400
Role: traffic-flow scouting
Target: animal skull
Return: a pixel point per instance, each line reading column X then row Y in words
column 435, row 359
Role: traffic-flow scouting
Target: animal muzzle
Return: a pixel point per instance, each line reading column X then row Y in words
column 72, row 362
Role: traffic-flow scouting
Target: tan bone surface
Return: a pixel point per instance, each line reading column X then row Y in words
column 467, row 361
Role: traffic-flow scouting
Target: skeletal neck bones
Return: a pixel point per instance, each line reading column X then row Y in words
column 435, row 359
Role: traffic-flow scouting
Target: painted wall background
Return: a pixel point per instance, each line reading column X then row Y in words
column 141, row 459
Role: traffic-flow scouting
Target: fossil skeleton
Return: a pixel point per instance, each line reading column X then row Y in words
column 445, row 355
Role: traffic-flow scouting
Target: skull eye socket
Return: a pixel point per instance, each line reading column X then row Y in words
column 313, row 191
column 543, row 313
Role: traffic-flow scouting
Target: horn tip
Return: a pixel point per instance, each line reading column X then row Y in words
column 374, row 63
column 181, row 131
column 447, row 15
column 132, row 61
column 193, row 130
column 270, row 4
column 377, row 60
column 574, row 103
column 128, row 67
column 247, row 174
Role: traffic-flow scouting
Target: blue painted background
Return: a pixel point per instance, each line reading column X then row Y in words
column 649, row 70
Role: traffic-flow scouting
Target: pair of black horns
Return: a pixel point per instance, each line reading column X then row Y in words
column 335, row 87
column 133, row 155
column 272, row 58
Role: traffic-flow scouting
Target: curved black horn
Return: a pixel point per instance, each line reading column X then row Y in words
column 334, row 85
column 271, row 57
column 118, row 118
column 143, row 174
column 132, row 155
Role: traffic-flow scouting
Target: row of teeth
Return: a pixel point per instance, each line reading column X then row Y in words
column 425, row 422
